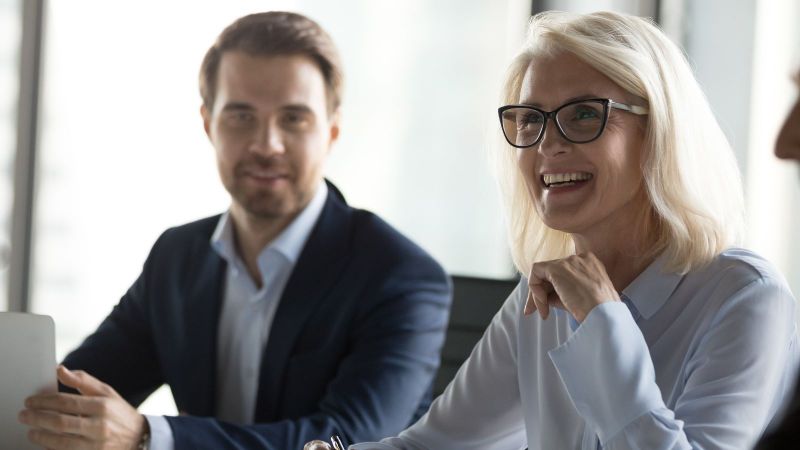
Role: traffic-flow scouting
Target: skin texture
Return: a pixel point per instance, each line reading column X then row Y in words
column 272, row 133
column 787, row 146
column 317, row 445
column 601, row 215
column 97, row 419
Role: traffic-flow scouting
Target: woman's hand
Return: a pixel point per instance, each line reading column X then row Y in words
column 577, row 283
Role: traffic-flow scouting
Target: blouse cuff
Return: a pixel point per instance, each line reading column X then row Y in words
column 607, row 371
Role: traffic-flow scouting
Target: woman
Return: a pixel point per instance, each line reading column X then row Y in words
column 650, row 330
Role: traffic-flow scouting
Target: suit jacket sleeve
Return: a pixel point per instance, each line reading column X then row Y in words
column 121, row 351
column 394, row 345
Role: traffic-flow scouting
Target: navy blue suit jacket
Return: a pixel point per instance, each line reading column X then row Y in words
column 353, row 348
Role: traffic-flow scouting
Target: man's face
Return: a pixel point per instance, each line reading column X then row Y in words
column 272, row 132
column 788, row 144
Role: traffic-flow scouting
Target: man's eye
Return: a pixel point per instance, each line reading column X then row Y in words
column 241, row 118
column 295, row 121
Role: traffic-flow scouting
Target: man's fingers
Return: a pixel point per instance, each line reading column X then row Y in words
column 66, row 403
column 57, row 422
column 83, row 382
column 56, row 441
column 317, row 445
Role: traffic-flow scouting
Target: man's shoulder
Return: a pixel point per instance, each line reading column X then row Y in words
column 188, row 234
column 362, row 228
column 374, row 237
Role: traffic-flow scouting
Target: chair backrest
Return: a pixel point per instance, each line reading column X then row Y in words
column 475, row 302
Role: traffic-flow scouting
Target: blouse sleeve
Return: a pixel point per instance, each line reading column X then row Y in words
column 481, row 408
column 732, row 379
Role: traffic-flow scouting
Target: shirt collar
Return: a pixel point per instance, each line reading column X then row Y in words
column 292, row 239
column 288, row 243
column 223, row 243
column 652, row 288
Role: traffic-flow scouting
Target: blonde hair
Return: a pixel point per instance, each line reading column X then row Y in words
column 691, row 178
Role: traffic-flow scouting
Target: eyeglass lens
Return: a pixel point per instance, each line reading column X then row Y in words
column 578, row 122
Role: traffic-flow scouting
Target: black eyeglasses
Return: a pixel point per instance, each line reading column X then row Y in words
column 579, row 122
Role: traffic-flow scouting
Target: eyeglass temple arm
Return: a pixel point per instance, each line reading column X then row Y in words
column 640, row 110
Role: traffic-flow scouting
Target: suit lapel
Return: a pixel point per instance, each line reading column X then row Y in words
column 317, row 268
column 201, row 310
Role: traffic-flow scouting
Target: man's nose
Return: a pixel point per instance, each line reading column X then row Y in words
column 787, row 145
column 268, row 139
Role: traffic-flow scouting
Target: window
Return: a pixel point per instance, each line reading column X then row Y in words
column 123, row 154
column 10, row 34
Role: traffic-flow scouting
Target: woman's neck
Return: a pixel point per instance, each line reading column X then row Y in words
column 623, row 256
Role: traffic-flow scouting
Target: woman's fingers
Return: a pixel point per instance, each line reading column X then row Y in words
column 576, row 283
column 539, row 295
column 540, row 290
column 530, row 304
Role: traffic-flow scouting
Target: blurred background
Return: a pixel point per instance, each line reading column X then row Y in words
column 102, row 145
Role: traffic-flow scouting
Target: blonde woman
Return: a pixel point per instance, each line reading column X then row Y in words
column 639, row 324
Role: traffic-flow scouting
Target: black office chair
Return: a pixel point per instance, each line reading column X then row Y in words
column 475, row 302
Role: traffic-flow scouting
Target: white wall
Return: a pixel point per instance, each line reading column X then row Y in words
column 123, row 154
column 744, row 52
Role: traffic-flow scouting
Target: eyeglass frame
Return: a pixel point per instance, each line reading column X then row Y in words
column 607, row 103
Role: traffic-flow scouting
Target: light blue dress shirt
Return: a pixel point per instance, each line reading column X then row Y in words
column 246, row 316
column 697, row 361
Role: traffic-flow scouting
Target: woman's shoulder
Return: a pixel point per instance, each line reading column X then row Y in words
column 744, row 264
column 738, row 269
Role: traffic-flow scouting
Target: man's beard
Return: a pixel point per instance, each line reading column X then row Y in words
column 265, row 204
column 262, row 202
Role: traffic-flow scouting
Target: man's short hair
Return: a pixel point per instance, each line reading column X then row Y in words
column 275, row 33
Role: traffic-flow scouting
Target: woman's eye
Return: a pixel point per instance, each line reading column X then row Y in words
column 525, row 120
column 586, row 113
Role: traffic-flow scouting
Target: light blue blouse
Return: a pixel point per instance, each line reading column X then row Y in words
column 697, row 361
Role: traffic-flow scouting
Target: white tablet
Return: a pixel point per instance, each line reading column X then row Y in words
column 27, row 366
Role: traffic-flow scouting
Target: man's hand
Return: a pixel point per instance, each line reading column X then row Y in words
column 317, row 445
column 577, row 283
column 97, row 419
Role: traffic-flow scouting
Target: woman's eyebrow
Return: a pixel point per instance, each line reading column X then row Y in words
column 571, row 99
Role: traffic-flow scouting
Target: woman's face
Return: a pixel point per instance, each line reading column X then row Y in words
column 609, row 200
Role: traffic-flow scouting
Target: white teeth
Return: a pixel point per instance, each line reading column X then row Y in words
column 554, row 178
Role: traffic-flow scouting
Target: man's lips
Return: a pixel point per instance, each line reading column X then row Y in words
column 265, row 176
column 263, row 173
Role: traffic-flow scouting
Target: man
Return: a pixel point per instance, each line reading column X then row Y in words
column 290, row 317
column 787, row 434
column 788, row 144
